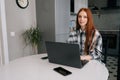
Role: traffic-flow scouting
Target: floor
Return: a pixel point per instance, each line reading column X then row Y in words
column 112, row 67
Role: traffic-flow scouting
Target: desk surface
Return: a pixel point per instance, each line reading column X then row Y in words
column 34, row 68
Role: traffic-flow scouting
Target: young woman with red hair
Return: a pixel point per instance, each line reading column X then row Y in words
column 87, row 36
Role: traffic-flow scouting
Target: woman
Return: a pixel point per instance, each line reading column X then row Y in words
column 87, row 36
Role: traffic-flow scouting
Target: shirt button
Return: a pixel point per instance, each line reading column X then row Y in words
column 83, row 47
column 82, row 40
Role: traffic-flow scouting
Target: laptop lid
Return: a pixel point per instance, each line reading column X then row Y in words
column 63, row 53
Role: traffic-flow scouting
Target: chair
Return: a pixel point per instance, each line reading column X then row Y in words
column 105, row 46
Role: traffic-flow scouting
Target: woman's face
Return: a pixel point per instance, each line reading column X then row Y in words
column 82, row 19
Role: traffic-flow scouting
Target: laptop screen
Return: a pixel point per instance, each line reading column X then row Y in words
column 63, row 53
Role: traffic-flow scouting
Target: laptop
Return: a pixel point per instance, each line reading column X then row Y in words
column 64, row 54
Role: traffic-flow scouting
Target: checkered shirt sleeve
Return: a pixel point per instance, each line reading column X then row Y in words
column 96, row 50
column 73, row 37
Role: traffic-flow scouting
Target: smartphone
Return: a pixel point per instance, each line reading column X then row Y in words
column 62, row 71
column 44, row 57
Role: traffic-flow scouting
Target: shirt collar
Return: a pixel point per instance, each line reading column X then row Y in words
column 82, row 31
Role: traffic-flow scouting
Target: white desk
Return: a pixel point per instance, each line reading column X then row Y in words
column 34, row 68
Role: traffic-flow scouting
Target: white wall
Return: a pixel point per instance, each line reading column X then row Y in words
column 0, row 41
column 0, row 52
column 18, row 20
column 80, row 4
column 0, row 55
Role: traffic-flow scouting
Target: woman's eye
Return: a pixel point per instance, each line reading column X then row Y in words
column 85, row 16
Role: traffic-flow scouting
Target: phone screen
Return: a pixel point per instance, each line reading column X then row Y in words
column 62, row 71
column 46, row 57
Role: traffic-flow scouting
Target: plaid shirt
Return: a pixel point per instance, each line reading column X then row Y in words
column 95, row 49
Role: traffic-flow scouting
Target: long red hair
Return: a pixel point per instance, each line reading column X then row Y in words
column 90, row 28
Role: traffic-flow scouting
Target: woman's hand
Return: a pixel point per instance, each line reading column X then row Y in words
column 86, row 57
